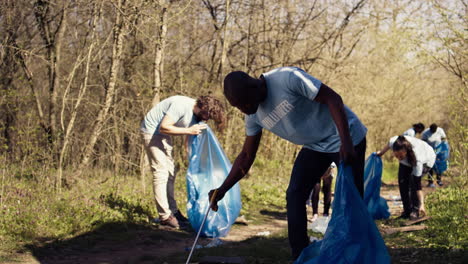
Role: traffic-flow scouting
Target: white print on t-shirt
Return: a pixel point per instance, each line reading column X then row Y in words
column 279, row 112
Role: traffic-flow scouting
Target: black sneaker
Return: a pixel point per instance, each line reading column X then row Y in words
column 181, row 218
column 414, row 215
column 440, row 183
column 404, row 215
column 171, row 222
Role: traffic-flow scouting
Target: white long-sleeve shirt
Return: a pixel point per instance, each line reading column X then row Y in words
column 424, row 153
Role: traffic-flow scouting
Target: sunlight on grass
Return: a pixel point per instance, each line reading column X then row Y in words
column 106, row 206
column 32, row 211
column 390, row 172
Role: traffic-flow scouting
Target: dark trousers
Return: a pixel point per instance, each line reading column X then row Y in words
column 326, row 189
column 430, row 176
column 408, row 185
column 308, row 168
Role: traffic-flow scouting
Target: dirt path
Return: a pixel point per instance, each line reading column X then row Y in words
column 147, row 244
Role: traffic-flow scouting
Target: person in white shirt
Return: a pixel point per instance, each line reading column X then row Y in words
column 434, row 135
column 416, row 129
column 416, row 159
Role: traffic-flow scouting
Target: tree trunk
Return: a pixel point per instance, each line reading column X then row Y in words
column 53, row 43
column 159, row 53
column 225, row 45
column 7, row 74
column 81, row 93
column 158, row 70
column 249, row 32
column 117, row 47
column 29, row 78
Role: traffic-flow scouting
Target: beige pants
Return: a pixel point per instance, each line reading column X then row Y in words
column 159, row 151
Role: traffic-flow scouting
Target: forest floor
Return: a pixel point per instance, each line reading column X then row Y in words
column 117, row 243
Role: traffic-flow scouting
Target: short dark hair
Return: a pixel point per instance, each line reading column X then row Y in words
column 418, row 127
column 215, row 109
column 237, row 85
column 433, row 127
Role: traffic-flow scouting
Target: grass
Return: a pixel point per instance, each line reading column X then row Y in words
column 33, row 211
column 106, row 214
column 446, row 238
column 390, row 172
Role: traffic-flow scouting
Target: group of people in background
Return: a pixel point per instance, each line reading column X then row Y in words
column 299, row 108
column 417, row 158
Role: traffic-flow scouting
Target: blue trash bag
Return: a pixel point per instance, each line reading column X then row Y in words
column 376, row 205
column 351, row 236
column 442, row 155
column 208, row 167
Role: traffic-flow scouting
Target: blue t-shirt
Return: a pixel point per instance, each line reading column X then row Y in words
column 178, row 108
column 290, row 112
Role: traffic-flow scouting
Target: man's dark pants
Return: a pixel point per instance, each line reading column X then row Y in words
column 326, row 189
column 309, row 166
column 430, row 178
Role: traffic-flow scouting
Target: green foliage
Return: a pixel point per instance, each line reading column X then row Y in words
column 390, row 172
column 102, row 206
column 448, row 226
column 127, row 208
column 445, row 239
column 32, row 212
column 265, row 187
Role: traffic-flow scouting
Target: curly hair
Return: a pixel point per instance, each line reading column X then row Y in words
column 214, row 108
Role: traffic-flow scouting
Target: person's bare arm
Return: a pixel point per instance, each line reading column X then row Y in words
column 239, row 169
column 334, row 102
column 327, row 172
column 167, row 127
column 382, row 151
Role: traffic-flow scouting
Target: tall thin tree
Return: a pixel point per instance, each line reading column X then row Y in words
column 117, row 47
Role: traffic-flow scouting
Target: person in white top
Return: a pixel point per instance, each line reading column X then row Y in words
column 416, row 129
column 416, row 159
column 173, row 116
column 434, row 135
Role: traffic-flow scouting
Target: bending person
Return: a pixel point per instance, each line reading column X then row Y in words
column 417, row 128
column 174, row 116
column 416, row 159
column 434, row 136
column 301, row 109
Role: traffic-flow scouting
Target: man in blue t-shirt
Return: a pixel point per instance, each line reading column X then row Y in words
column 301, row 109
